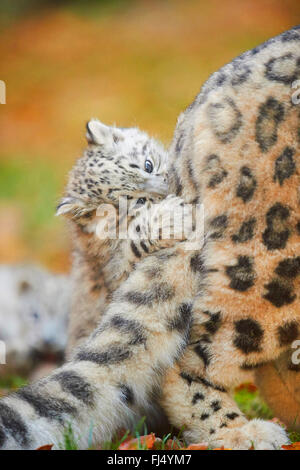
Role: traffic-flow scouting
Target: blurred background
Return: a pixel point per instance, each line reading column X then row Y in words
column 129, row 62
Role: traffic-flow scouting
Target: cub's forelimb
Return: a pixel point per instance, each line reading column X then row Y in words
column 101, row 264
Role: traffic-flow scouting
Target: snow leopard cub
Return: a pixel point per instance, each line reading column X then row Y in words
column 118, row 162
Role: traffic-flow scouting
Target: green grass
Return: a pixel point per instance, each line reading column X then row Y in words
column 34, row 186
column 252, row 404
column 34, row 189
column 11, row 11
column 139, row 430
column 12, row 382
column 92, row 8
column 248, row 401
column 115, row 443
column 69, row 440
column 294, row 436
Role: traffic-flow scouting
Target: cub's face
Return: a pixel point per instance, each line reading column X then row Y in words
column 118, row 162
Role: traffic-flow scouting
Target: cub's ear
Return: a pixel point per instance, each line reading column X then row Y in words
column 67, row 205
column 100, row 134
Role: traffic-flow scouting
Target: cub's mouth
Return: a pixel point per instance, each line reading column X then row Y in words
column 156, row 185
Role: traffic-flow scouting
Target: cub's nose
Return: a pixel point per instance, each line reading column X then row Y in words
column 156, row 184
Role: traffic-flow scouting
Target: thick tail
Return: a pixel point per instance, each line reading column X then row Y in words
column 111, row 377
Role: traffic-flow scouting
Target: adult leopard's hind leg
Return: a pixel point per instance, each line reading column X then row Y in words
column 228, row 340
column 110, row 379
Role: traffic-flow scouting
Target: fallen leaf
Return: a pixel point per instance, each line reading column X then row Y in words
column 294, row 446
column 200, row 446
column 222, row 448
column 134, row 444
column 250, row 387
column 45, row 447
column 173, row 444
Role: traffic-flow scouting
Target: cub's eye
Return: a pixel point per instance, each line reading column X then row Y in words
column 148, row 166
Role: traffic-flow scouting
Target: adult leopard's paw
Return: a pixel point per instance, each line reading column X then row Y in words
column 257, row 434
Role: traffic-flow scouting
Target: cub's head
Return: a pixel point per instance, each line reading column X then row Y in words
column 34, row 310
column 118, row 162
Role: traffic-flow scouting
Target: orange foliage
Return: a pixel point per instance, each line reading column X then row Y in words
column 45, row 447
column 294, row 446
column 172, row 444
column 251, row 388
column 201, row 446
column 139, row 65
column 144, row 442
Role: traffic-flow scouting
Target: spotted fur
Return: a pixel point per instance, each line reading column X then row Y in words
column 113, row 166
column 244, row 117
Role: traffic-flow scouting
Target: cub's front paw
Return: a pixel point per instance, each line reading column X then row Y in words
column 174, row 217
column 257, row 434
